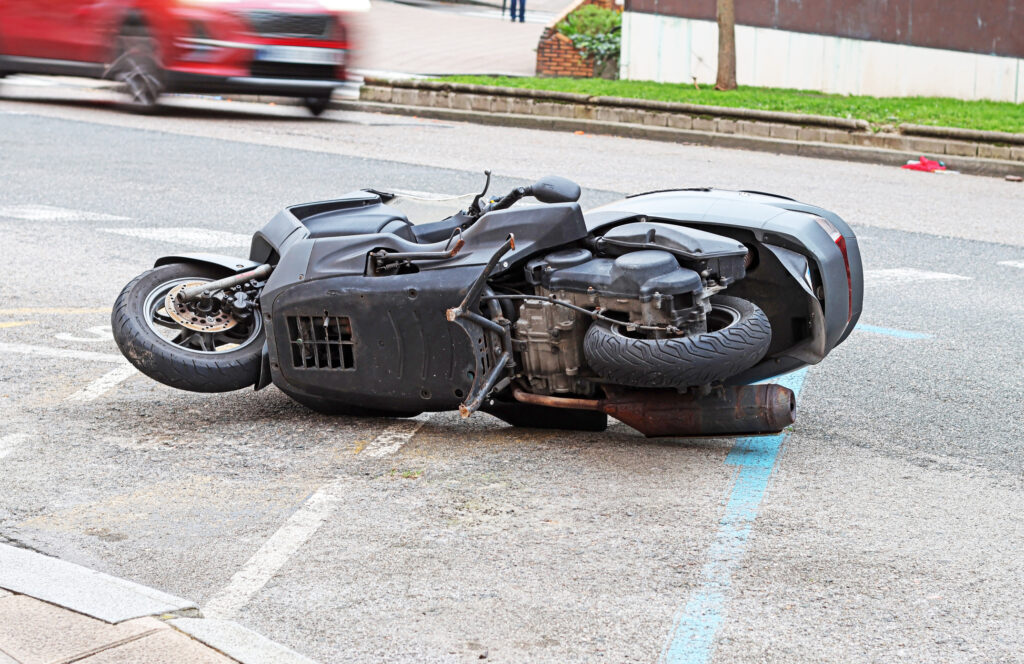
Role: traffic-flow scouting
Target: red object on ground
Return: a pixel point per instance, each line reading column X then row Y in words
column 297, row 48
column 924, row 164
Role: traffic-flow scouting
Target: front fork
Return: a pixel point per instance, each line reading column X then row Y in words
column 490, row 364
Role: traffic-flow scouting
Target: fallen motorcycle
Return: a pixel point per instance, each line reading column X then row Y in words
column 663, row 309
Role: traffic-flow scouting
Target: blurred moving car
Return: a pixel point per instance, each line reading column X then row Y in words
column 293, row 48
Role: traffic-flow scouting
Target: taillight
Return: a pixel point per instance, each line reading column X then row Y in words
column 840, row 241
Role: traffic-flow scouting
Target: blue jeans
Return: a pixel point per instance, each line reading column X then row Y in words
column 522, row 9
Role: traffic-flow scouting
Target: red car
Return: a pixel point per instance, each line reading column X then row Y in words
column 293, row 48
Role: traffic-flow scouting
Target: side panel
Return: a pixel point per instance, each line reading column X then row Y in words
column 386, row 343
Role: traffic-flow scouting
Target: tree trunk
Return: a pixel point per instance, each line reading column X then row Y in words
column 726, row 12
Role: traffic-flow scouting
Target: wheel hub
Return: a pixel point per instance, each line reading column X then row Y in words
column 191, row 318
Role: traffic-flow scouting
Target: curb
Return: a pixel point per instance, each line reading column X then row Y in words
column 820, row 150
column 980, row 153
column 115, row 601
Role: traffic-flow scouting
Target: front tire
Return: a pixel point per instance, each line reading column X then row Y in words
column 177, row 356
column 317, row 105
column 737, row 341
column 137, row 67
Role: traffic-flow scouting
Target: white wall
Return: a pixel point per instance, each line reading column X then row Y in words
column 674, row 50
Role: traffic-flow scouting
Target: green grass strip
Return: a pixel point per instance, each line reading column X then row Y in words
column 937, row 111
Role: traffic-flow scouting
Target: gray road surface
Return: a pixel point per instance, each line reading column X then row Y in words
column 891, row 528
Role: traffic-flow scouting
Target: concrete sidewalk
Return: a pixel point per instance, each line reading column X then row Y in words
column 53, row 611
column 443, row 39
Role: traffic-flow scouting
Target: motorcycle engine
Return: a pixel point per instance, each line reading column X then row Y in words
column 646, row 274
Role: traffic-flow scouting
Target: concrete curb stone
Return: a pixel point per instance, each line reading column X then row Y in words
column 823, row 142
column 44, row 602
column 620, row 102
column 81, row 589
column 238, row 642
column 963, row 134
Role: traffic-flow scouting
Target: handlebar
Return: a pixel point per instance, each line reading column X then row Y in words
column 551, row 189
column 507, row 201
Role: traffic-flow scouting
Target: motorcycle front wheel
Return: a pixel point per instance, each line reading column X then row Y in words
column 211, row 351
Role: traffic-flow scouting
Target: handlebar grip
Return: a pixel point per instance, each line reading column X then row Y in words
column 509, row 199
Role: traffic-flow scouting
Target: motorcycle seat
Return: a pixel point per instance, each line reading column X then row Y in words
column 437, row 231
column 376, row 219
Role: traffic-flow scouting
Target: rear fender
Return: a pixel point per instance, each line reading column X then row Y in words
column 229, row 263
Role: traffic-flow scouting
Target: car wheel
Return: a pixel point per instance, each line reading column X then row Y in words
column 317, row 105
column 3, row 72
column 137, row 67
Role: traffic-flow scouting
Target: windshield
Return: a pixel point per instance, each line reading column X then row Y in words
column 422, row 207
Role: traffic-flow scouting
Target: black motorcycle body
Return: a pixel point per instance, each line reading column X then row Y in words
column 540, row 314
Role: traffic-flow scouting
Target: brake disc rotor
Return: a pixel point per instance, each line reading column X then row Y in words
column 196, row 320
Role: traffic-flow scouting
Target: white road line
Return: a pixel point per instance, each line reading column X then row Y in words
column 272, row 556
column 51, row 213
column 427, row 196
column 21, row 79
column 299, row 527
column 394, row 437
column 62, row 311
column 100, row 334
column 10, row 441
column 194, row 237
column 50, row 351
column 902, row 275
column 1016, row 264
column 103, row 384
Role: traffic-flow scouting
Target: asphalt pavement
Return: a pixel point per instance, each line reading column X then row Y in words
column 886, row 528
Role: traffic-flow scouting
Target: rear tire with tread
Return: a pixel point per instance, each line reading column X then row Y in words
column 681, row 362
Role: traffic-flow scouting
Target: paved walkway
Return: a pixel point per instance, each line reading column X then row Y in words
column 52, row 611
column 435, row 38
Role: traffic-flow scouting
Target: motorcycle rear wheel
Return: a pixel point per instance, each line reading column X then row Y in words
column 738, row 337
column 176, row 356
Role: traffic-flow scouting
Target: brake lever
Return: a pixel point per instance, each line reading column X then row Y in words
column 474, row 208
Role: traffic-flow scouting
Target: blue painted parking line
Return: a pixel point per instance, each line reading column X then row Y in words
column 693, row 634
column 890, row 332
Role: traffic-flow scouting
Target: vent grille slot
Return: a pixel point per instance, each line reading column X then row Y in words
column 321, row 342
column 284, row 24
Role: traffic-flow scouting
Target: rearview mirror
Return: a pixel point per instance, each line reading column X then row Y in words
column 555, row 189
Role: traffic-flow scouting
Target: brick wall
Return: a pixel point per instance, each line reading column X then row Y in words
column 556, row 56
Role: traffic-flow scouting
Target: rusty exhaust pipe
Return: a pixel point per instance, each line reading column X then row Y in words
column 729, row 411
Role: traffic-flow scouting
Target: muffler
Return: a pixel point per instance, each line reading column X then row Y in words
column 728, row 411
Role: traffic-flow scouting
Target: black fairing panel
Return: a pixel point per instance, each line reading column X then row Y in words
column 536, row 228
column 405, row 355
